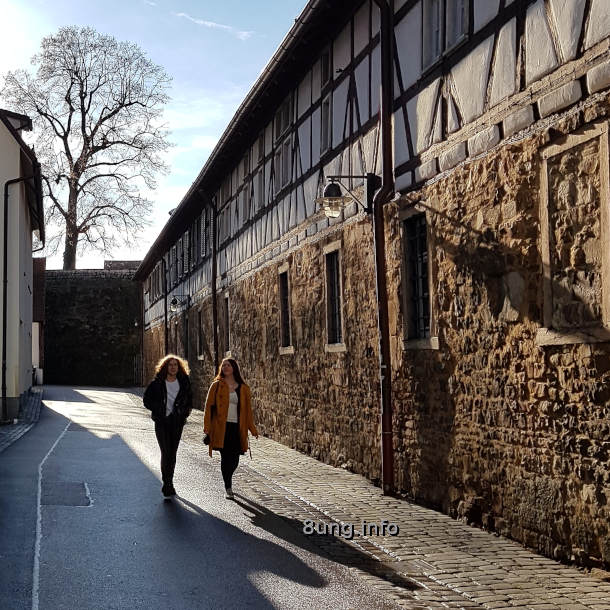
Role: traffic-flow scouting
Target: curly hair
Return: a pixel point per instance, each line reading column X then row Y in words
column 161, row 368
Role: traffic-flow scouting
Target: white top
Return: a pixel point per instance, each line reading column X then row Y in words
column 232, row 415
column 172, row 387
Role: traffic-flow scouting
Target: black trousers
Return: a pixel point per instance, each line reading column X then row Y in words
column 169, row 432
column 229, row 454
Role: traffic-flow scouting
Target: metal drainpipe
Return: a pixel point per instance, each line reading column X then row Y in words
column 386, row 190
column 4, row 294
column 214, row 279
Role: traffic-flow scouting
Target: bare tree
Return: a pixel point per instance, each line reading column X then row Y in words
column 97, row 105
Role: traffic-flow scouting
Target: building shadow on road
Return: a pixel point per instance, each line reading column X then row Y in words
column 330, row 546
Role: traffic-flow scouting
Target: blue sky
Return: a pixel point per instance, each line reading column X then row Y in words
column 214, row 51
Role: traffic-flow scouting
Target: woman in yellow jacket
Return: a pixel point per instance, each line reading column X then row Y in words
column 227, row 419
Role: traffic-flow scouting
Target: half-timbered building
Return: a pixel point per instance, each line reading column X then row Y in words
column 496, row 257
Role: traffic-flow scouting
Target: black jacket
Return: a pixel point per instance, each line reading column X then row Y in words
column 155, row 398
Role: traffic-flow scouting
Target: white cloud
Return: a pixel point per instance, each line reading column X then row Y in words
column 241, row 34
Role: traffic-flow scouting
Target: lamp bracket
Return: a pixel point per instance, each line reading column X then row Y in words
column 372, row 181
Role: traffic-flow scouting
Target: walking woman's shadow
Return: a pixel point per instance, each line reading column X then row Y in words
column 329, row 546
column 219, row 558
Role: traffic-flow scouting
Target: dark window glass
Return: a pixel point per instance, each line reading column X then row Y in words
column 325, row 130
column 284, row 310
column 418, row 301
column 226, row 325
column 333, row 294
column 199, row 334
column 325, row 68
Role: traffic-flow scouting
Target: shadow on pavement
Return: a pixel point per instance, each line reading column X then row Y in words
column 328, row 546
column 108, row 540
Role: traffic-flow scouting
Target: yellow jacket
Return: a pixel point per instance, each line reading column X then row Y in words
column 215, row 426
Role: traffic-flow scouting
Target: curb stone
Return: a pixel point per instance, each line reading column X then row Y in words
column 29, row 413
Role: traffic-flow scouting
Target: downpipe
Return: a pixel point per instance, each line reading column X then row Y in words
column 381, row 197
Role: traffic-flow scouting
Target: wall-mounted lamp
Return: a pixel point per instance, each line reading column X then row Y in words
column 333, row 200
column 179, row 299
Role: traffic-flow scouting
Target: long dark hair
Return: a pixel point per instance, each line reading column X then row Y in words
column 161, row 368
column 236, row 373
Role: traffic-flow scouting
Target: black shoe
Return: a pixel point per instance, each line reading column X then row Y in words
column 172, row 490
column 166, row 491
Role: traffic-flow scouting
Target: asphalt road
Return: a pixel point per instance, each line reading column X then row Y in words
column 83, row 523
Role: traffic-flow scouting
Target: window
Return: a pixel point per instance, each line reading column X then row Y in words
column 286, row 162
column 277, row 170
column 246, row 165
column 325, row 131
column 260, row 190
column 445, row 24
column 173, row 266
column 186, row 250
column 180, row 259
column 285, row 334
column 197, row 243
column 205, row 240
column 418, row 294
column 199, row 334
column 334, row 322
column 283, row 118
column 325, row 72
column 261, row 147
column 225, row 190
column 227, row 333
column 418, row 277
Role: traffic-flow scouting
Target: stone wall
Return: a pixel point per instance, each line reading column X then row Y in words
column 91, row 337
column 496, row 424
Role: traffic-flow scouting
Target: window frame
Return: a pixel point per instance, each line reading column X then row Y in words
column 328, row 65
column 227, row 325
column 286, row 162
column 285, row 311
column 260, row 189
column 283, row 118
column 440, row 36
column 200, row 335
column 409, row 340
column 325, row 146
column 547, row 335
column 329, row 252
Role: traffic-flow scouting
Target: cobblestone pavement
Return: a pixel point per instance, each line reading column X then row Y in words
column 29, row 412
column 432, row 562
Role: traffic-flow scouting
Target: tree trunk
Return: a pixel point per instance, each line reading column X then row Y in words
column 71, row 239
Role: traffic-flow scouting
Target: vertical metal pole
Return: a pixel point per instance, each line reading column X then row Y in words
column 387, row 188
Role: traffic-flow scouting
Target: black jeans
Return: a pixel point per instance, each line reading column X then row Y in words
column 168, row 431
column 229, row 454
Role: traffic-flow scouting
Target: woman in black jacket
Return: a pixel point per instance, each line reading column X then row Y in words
column 169, row 399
